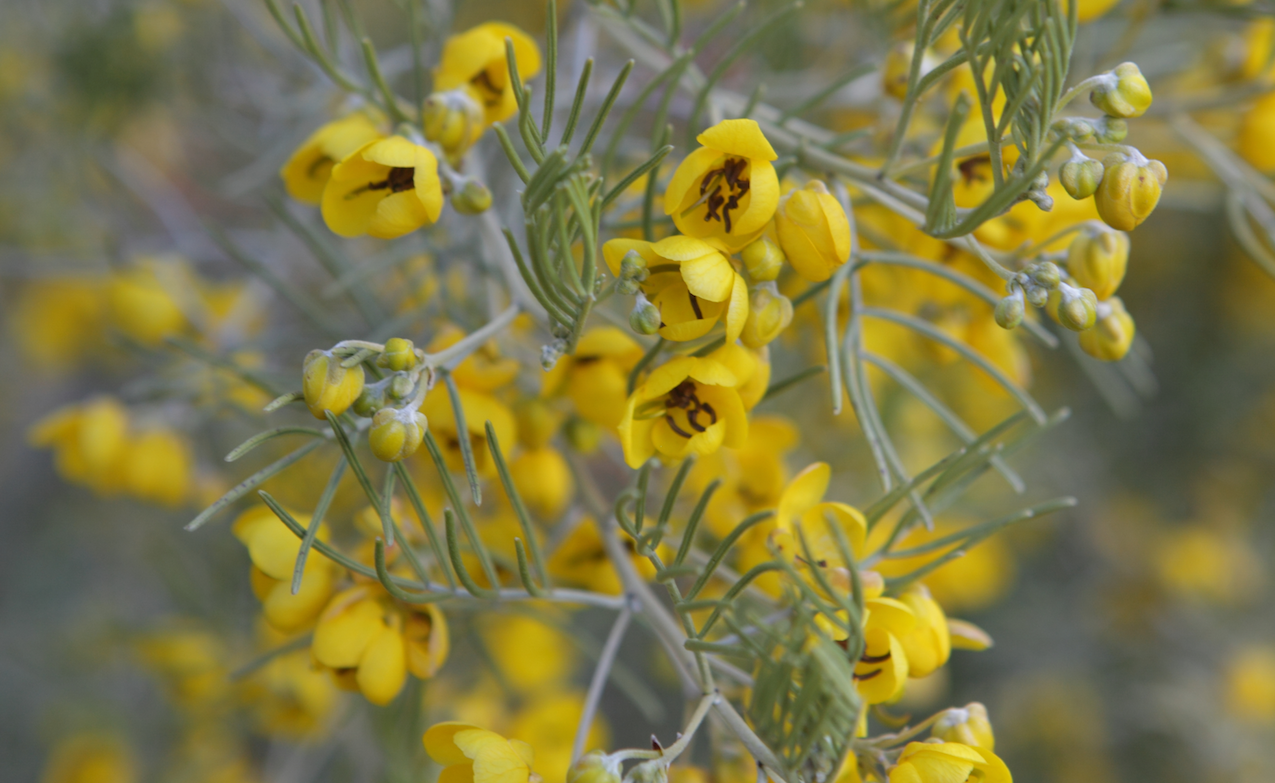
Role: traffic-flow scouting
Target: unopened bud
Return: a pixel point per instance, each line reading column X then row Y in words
column 1111, row 130
column 1123, row 93
column 1077, row 308
column 763, row 259
column 396, row 433
column 1130, row 190
column 327, row 385
column 769, row 313
column 370, row 400
column 1111, row 337
column 583, row 435
column 1080, row 177
column 399, row 354
column 967, row 725
column 645, row 318
column 551, row 353
column 594, row 767
column 1097, row 259
column 1037, row 296
column 471, row 198
column 453, row 119
column 401, row 387
column 1010, row 310
column 1046, row 274
column 633, row 267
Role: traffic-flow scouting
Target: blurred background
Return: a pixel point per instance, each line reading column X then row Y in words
column 1135, row 634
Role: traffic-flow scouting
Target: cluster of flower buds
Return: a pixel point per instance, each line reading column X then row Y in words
column 633, row 273
column 1081, row 297
column 1125, row 185
column 333, row 381
column 453, row 119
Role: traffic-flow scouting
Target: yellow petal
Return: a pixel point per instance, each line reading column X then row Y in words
column 802, row 493
column 738, row 137
column 738, row 359
column 662, row 380
column 383, row 666
column 730, row 411
column 709, row 277
column 712, row 372
column 495, row 760
column 852, row 522
column 440, row 745
column 396, row 215
column 890, row 614
column 763, row 200
column 737, row 310
column 682, row 248
column 968, row 636
column 680, row 192
column 608, row 341
column 635, row 436
column 345, row 628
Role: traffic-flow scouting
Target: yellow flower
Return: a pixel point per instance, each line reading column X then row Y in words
column 688, row 405
column 306, row 173
column 89, row 442
column 475, row 60
column 581, row 559
column 690, row 282
column 289, row 698
column 1256, row 142
column 948, row 762
column 1090, row 10
column 1202, row 563
column 544, row 481
column 802, row 504
column 531, row 654
column 86, row 758
column 157, row 467
column 372, row 644
column 882, row 671
column 1123, row 92
column 327, row 385
column 595, row 378
column 57, row 322
column 967, row 725
column 1129, row 190
column 190, row 662
column 769, row 313
column 473, row 755
column 548, row 725
column 727, row 189
column 273, row 550
column 753, row 476
column 479, row 408
column 140, row 304
column 927, row 644
column 1250, row 684
column 386, row 188
column 1111, row 336
column 813, row 231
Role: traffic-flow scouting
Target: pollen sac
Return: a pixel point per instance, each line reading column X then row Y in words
column 328, row 386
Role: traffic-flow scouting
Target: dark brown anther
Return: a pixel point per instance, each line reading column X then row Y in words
column 695, row 306
column 491, row 95
column 862, row 677
column 655, row 745
column 673, row 426
column 875, row 658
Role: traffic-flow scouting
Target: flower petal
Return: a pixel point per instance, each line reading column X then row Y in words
column 805, row 490
column 688, row 172
column 738, row 137
column 737, row 311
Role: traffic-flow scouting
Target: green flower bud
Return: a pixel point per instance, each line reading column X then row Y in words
column 370, row 400
column 1077, row 308
column 1110, row 339
column 583, row 435
column 471, row 198
column 399, row 354
column 1037, row 296
column 454, row 120
column 396, row 433
column 1046, row 274
column 1123, row 93
column 763, row 259
column 1010, row 310
column 633, row 267
column 594, row 767
column 1080, row 177
column 1111, row 130
column 327, row 385
column 645, row 318
column 551, row 353
column 401, row 387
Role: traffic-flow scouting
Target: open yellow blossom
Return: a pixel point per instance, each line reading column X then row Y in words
column 57, row 322
column 386, row 188
column 273, row 549
column 475, row 61
column 371, row 644
column 802, row 504
column 948, row 762
column 531, row 653
column 595, row 377
column 727, row 189
column 753, row 476
column 190, row 662
column 289, row 698
column 927, row 644
column 688, row 405
column 140, row 300
column 691, row 283
column 306, row 173
column 882, row 671
column 976, row 580
column 89, row 441
column 473, row 755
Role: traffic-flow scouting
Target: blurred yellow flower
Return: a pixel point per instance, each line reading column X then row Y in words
column 307, row 172
column 140, row 300
column 273, row 549
column 89, row 758
column 1250, row 684
column 469, row 753
column 813, row 231
column 289, row 698
column 595, row 377
column 548, row 724
column 948, row 762
column 532, row 655
column 475, row 60
column 386, row 188
column 544, row 481
column 57, row 323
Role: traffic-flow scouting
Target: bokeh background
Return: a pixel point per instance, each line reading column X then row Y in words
column 1135, row 635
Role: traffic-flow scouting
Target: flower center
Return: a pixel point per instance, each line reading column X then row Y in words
column 683, row 397
column 721, row 189
column 398, row 180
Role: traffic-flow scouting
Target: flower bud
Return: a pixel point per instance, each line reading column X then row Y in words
column 1123, row 93
column 763, row 259
column 471, row 198
column 813, row 231
column 537, row 422
column 1080, row 177
column 401, row 387
column 896, row 69
column 1111, row 130
column 1129, row 191
column 1111, row 337
column 1037, row 296
column 370, row 400
column 551, row 353
column 396, row 433
column 1046, row 274
column 594, row 767
column 1074, row 308
column 454, row 120
column 967, row 725
column 1010, row 310
column 1097, row 259
column 399, row 355
column 769, row 313
column 645, row 318
column 633, row 267
column 327, row 385
column 583, row 435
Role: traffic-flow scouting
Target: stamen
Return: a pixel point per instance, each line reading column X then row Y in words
column 875, row 658
column 863, row 677
column 695, row 306
column 673, row 426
